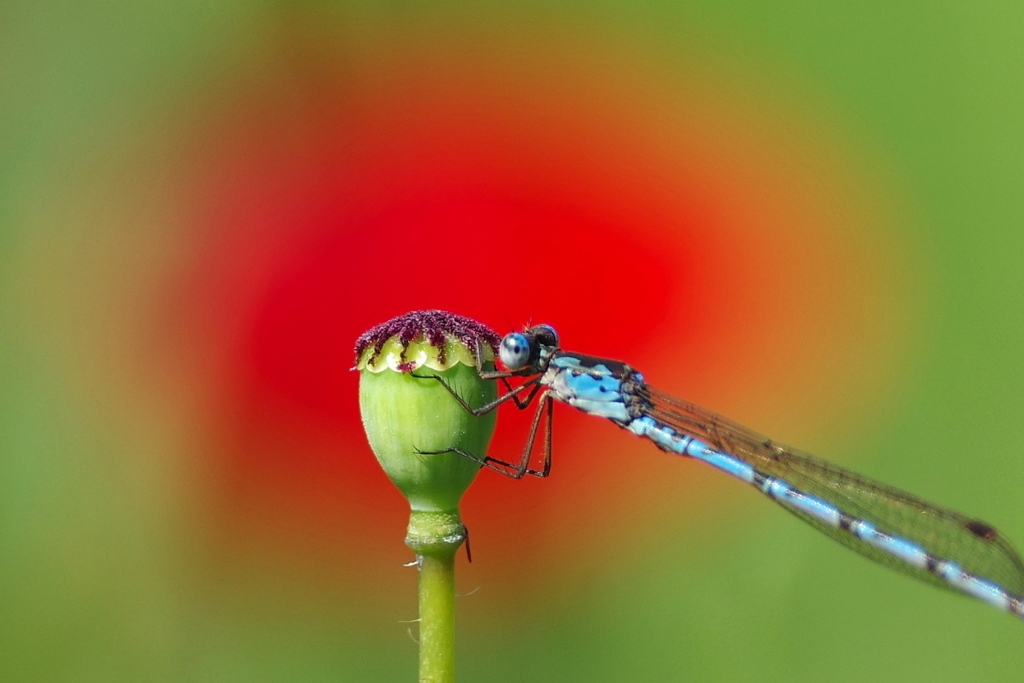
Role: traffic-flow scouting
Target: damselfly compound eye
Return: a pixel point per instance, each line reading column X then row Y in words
column 545, row 335
column 514, row 351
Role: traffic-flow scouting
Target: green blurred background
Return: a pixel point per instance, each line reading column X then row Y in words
column 143, row 539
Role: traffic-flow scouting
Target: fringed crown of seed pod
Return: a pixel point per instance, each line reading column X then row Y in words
column 433, row 339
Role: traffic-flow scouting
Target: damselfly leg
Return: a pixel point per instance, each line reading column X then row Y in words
column 545, row 408
column 518, row 471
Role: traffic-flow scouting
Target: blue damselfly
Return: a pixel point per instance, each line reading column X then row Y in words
column 890, row 526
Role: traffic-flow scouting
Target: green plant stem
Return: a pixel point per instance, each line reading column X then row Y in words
column 437, row 618
column 435, row 537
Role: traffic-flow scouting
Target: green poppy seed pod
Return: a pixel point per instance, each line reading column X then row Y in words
column 409, row 418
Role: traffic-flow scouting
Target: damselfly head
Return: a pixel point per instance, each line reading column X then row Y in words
column 522, row 349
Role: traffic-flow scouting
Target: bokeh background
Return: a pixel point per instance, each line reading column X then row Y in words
column 804, row 216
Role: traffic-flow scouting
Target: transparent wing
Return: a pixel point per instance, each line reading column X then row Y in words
column 974, row 545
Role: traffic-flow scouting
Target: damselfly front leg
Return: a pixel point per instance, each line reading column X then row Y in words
column 512, row 394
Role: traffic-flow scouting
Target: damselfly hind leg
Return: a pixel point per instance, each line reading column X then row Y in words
column 517, row 471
